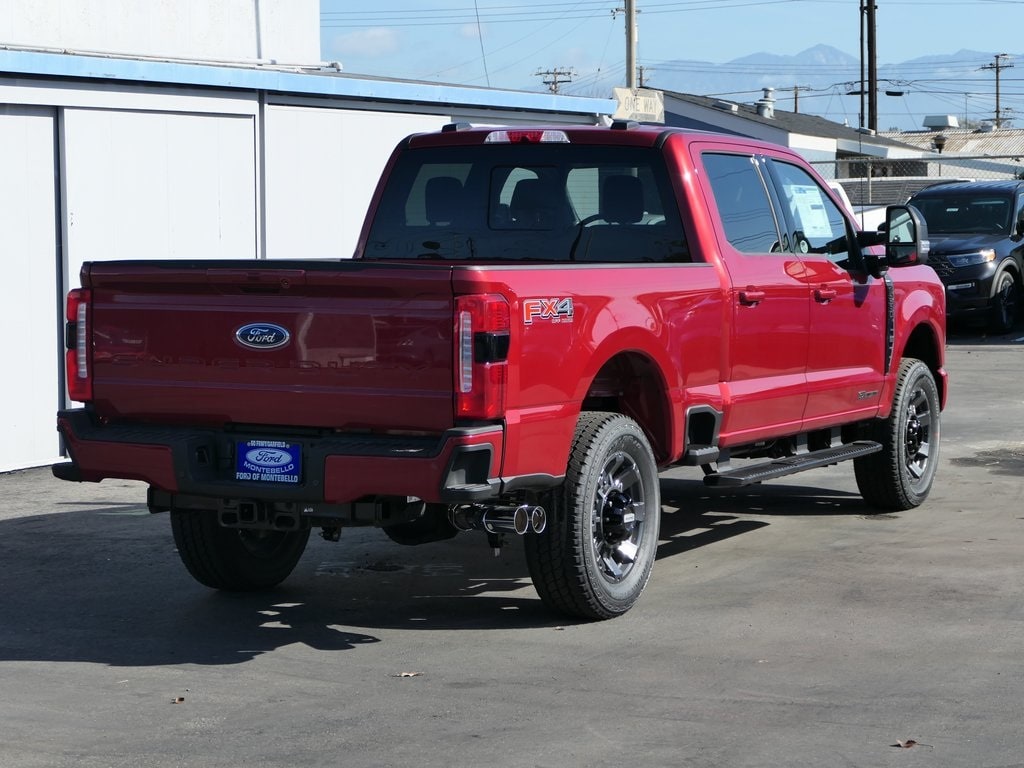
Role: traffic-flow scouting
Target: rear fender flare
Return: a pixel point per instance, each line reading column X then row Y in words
column 651, row 395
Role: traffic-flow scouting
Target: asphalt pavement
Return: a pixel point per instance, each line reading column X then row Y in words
column 785, row 625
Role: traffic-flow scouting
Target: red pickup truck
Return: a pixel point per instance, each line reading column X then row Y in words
column 536, row 321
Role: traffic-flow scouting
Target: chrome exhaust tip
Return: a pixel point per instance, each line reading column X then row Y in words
column 518, row 520
column 538, row 519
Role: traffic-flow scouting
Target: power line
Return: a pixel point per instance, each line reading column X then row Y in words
column 480, row 35
column 521, row 13
column 543, row 25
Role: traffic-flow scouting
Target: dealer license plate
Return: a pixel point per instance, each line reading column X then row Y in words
column 268, row 461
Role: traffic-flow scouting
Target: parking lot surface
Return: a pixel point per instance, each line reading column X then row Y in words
column 785, row 625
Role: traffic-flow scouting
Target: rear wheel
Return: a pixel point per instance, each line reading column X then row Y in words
column 1005, row 306
column 900, row 476
column 595, row 556
column 234, row 559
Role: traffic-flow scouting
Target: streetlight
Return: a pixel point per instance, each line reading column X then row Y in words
column 852, row 90
column 939, row 142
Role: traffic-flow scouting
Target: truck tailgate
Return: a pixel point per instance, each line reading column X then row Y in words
column 338, row 345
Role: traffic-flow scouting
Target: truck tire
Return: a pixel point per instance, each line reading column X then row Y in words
column 900, row 476
column 234, row 559
column 595, row 556
column 1005, row 303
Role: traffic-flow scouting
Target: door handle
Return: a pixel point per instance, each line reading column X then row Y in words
column 751, row 296
column 824, row 294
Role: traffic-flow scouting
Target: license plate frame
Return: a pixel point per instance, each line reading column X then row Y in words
column 268, row 462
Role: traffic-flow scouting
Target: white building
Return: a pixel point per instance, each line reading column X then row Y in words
column 199, row 129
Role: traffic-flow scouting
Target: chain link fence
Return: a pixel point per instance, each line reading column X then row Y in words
column 878, row 182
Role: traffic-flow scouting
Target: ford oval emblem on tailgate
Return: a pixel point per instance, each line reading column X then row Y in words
column 268, row 458
column 262, row 336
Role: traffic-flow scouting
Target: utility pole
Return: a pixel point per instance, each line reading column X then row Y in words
column 631, row 40
column 998, row 64
column 796, row 96
column 872, row 67
column 555, row 77
column 863, row 90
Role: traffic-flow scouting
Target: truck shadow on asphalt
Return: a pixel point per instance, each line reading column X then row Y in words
column 705, row 515
column 102, row 583
column 963, row 333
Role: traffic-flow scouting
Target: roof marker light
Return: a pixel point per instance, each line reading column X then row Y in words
column 526, row 136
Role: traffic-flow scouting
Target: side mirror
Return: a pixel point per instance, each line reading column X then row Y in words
column 906, row 236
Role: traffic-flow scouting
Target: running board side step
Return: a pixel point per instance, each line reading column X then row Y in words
column 790, row 465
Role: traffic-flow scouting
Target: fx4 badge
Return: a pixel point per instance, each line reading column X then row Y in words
column 556, row 310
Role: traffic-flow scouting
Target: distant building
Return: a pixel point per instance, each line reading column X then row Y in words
column 815, row 138
column 984, row 153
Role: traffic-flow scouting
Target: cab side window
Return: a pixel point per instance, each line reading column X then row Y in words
column 743, row 203
column 814, row 223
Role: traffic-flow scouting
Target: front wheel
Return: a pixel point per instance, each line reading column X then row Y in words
column 234, row 559
column 900, row 476
column 1005, row 303
column 596, row 555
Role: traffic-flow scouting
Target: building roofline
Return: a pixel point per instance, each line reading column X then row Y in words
column 318, row 80
column 795, row 123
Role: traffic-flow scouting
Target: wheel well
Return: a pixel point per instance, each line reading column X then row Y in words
column 1012, row 269
column 1009, row 265
column 923, row 345
column 631, row 384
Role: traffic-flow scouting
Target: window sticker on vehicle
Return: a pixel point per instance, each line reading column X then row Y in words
column 556, row 310
column 810, row 210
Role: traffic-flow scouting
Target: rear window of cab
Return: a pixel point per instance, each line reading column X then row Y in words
column 529, row 202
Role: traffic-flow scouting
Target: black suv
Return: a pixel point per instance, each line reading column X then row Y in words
column 976, row 230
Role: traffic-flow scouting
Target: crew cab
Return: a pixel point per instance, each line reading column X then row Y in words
column 536, row 321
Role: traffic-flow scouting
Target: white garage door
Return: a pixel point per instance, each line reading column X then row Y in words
column 321, row 169
column 30, row 388
column 153, row 185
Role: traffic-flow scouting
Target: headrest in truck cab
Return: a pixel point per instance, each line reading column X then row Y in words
column 622, row 200
column 443, row 200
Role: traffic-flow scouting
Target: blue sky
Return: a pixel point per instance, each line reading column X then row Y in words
column 504, row 44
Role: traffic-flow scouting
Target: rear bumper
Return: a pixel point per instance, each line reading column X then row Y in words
column 459, row 466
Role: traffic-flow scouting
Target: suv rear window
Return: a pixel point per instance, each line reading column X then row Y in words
column 529, row 203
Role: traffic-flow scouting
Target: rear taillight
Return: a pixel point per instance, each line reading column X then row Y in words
column 76, row 339
column 482, row 325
